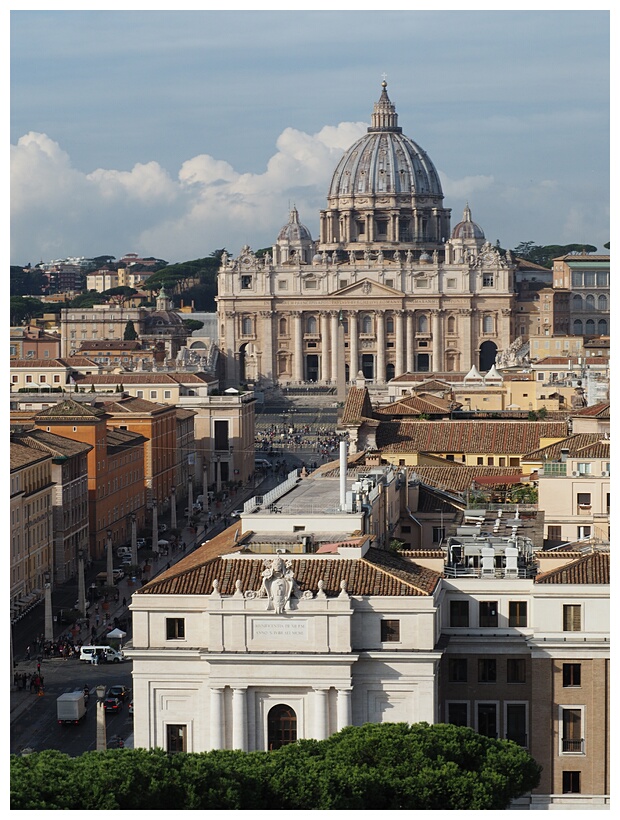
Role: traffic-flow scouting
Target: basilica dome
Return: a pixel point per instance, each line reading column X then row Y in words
column 384, row 160
column 385, row 194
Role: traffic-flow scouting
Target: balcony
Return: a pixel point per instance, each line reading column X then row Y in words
column 574, row 746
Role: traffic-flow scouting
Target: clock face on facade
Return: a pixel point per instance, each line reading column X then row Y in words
column 246, row 261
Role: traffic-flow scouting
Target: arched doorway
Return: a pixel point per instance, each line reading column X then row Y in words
column 488, row 352
column 242, row 362
column 368, row 366
column 281, row 726
column 390, row 372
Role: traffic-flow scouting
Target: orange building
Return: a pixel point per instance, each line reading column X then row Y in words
column 116, row 486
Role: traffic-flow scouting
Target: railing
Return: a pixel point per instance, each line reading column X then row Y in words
column 476, row 572
column 572, row 745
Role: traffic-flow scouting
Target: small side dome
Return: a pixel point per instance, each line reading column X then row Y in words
column 317, row 259
column 294, row 231
column 425, row 258
column 467, row 229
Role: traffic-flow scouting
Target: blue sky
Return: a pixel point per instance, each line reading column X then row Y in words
column 171, row 134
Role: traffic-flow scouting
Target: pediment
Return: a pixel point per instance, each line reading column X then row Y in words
column 368, row 288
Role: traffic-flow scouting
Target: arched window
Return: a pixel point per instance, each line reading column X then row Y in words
column 390, row 372
column 366, row 324
column 389, row 324
column 423, row 324
column 577, row 302
column 281, row 727
column 451, row 324
column 283, row 327
column 578, row 327
column 589, row 302
column 602, row 327
column 602, row 302
column 590, row 327
column 311, row 324
column 487, row 324
column 246, row 326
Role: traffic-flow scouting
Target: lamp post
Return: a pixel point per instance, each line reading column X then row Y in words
column 81, row 583
column 49, row 623
column 205, row 480
column 190, row 502
column 109, row 560
column 102, row 743
column 173, row 507
column 218, row 473
column 134, row 540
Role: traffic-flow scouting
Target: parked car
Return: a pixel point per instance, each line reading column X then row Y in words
column 118, row 691
column 123, row 552
column 236, row 513
column 141, row 543
column 112, row 705
column 118, row 575
column 126, row 562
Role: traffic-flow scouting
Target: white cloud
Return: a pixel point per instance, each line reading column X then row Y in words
column 57, row 210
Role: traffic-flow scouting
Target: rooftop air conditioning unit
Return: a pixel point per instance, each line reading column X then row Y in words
column 575, row 472
column 605, row 473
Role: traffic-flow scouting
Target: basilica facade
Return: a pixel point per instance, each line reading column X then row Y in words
column 387, row 289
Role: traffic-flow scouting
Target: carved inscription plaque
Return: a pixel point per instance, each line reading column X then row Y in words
column 279, row 628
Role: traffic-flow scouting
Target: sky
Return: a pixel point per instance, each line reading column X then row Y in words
column 175, row 133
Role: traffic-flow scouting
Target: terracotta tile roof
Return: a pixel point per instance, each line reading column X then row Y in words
column 21, row 456
column 601, row 449
column 590, row 569
column 377, row 573
column 423, row 403
column 574, row 443
column 120, row 439
column 357, row 407
column 142, row 378
column 598, row 411
column 182, row 413
column 466, row 436
column 111, row 344
column 54, row 444
column 458, row 478
column 70, row 409
column 132, row 405
column 36, row 363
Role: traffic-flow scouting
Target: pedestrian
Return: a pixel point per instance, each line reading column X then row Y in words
column 124, row 601
column 28, row 652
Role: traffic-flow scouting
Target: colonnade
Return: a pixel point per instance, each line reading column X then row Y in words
column 242, row 731
column 404, row 335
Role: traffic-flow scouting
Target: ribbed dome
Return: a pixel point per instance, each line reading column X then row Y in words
column 294, row 231
column 467, row 229
column 385, row 161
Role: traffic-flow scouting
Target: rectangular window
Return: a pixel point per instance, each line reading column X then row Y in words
column 456, row 714
column 220, row 435
column 175, row 628
column 572, row 734
column 515, row 670
column 153, row 394
column 439, row 534
column 457, row 670
column 516, row 723
column 390, row 631
column 571, row 674
column 480, row 460
column 451, row 283
column 167, row 394
column 459, row 613
column 246, row 282
column 487, row 670
column 517, row 613
column 491, row 461
column 571, row 617
column 584, row 468
column 176, row 738
column 487, row 613
column 282, row 284
column 486, row 714
column 311, row 284
column 405, row 529
column 139, row 394
column 554, row 533
column 488, row 280
column 584, row 499
column 571, row 782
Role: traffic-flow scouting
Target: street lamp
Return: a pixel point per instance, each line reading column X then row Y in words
column 102, row 743
column 110, row 560
column 49, row 623
column 134, row 540
column 173, row 507
column 190, row 502
column 155, row 530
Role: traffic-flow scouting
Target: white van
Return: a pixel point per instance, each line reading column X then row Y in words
column 111, row 655
column 124, row 552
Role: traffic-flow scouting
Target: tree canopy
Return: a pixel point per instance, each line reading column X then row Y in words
column 193, row 281
column 26, row 282
column 545, row 254
column 24, row 308
column 375, row 766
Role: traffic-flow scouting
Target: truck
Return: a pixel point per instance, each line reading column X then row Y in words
column 70, row 707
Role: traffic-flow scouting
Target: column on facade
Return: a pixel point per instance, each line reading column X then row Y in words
column 416, row 224
column 230, row 345
column 267, row 366
column 410, row 343
column 320, row 714
column 239, row 719
column 437, row 343
column 400, row 343
column 465, row 338
column 216, row 718
column 335, row 345
column 298, row 351
column 394, row 227
column 343, row 708
column 380, row 337
column 354, row 356
column 370, row 227
column 325, row 347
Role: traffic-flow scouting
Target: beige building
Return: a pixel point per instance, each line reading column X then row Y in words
column 387, row 289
